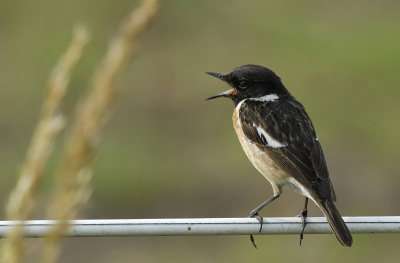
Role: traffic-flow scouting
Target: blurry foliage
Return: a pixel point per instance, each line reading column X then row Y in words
column 167, row 153
column 21, row 204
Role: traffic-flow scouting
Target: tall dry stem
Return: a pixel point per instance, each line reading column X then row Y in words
column 21, row 203
column 72, row 190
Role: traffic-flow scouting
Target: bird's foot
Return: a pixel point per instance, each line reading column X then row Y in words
column 303, row 216
column 255, row 215
column 258, row 217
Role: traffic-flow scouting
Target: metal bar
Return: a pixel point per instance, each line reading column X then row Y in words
column 202, row 226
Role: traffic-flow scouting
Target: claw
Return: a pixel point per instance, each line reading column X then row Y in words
column 252, row 241
column 254, row 214
column 260, row 220
column 303, row 216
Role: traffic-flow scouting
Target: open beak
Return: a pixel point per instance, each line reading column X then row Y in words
column 227, row 93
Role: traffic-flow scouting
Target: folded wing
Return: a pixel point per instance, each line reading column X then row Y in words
column 286, row 134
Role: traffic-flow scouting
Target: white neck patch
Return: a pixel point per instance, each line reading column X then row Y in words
column 239, row 105
column 270, row 97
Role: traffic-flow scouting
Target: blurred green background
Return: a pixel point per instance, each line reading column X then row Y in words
column 169, row 154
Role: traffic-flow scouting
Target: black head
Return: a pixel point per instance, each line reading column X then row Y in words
column 250, row 81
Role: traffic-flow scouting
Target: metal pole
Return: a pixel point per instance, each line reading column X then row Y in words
column 202, row 226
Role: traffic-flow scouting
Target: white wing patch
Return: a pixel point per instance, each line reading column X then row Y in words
column 270, row 97
column 270, row 141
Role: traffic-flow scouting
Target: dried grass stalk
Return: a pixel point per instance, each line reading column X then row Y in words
column 74, row 175
column 21, row 203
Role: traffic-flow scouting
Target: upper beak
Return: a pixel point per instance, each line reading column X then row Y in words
column 217, row 75
column 222, row 94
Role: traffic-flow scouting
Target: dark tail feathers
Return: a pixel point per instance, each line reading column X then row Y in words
column 336, row 222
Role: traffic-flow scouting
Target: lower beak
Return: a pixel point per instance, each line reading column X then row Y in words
column 227, row 93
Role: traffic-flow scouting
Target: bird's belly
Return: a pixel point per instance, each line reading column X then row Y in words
column 261, row 161
column 270, row 170
column 264, row 164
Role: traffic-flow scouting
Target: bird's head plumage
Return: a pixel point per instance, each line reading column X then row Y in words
column 250, row 81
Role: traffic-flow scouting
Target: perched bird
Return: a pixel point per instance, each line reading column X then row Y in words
column 279, row 138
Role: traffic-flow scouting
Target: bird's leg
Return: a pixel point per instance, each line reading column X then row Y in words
column 254, row 214
column 303, row 216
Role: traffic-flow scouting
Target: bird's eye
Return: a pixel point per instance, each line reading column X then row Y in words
column 243, row 84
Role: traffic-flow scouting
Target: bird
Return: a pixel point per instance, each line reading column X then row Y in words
column 280, row 141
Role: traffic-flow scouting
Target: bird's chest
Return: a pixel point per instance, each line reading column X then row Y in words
column 260, row 159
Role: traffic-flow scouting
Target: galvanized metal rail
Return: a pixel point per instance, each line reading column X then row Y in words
column 202, row 226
